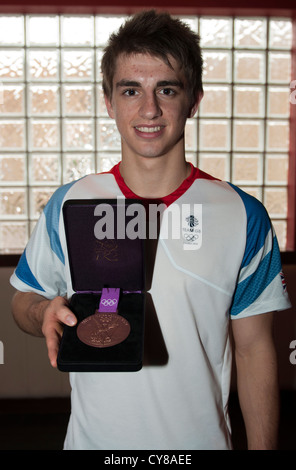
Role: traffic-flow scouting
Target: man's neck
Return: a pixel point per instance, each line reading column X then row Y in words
column 154, row 177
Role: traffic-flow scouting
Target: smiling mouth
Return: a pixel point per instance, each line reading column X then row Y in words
column 149, row 130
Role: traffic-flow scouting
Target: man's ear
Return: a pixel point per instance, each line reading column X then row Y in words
column 195, row 106
column 109, row 107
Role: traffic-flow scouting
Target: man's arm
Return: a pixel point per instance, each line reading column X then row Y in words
column 257, row 379
column 39, row 316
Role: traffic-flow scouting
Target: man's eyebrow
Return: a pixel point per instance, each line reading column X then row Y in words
column 124, row 83
column 162, row 83
column 176, row 83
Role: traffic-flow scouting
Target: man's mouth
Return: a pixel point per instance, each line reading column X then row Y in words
column 149, row 130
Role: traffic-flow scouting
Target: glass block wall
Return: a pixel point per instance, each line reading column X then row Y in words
column 54, row 127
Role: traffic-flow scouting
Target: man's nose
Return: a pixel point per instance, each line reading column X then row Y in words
column 150, row 108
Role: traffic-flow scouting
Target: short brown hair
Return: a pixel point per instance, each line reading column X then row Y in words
column 157, row 34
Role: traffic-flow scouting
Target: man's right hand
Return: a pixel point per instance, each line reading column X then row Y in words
column 56, row 315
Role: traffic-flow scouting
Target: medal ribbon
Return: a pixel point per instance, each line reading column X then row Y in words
column 109, row 300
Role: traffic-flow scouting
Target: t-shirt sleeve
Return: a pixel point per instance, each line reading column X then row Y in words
column 41, row 268
column 261, row 285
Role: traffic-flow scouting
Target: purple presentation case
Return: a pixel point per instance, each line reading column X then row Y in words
column 98, row 263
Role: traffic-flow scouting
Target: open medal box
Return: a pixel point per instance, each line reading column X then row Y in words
column 107, row 268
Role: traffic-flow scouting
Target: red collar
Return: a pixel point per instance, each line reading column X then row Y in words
column 195, row 173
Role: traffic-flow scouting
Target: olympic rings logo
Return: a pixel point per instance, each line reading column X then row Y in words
column 108, row 302
column 190, row 238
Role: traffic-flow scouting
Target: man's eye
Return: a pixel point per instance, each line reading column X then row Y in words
column 167, row 91
column 130, row 92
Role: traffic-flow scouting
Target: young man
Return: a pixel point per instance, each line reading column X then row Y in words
column 152, row 83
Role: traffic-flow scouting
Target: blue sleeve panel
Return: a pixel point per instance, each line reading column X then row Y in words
column 264, row 270
column 52, row 212
column 25, row 274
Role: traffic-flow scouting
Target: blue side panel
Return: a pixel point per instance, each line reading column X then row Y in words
column 25, row 274
column 258, row 225
column 52, row 214
column 264, row 270
column 250, row 288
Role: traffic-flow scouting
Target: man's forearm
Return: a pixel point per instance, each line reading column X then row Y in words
column 28, row 311
column 259, row 399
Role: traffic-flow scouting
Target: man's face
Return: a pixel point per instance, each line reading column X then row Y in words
column 150, row 104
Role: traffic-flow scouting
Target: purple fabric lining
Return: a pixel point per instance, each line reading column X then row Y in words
column 99, row 292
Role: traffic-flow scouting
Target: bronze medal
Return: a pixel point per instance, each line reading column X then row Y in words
column 102, row 330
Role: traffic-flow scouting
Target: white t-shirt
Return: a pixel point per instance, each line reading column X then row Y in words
column 225, row 264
